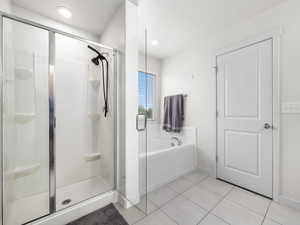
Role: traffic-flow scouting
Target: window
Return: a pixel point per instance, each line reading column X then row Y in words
column 146, row 94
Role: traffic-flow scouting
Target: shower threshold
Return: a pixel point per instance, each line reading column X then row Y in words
column 35, row 206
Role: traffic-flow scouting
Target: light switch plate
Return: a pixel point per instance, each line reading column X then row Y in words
column 290, row 108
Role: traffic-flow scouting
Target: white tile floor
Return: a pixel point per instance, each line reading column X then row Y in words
column 197, row 199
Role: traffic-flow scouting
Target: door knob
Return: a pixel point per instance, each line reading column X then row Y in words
column 267, row 126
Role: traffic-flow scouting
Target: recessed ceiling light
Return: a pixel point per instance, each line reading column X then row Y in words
column 155, row 42
column 63, row 11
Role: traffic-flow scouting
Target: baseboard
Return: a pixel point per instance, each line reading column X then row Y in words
column 75, row 212
column 207, row 171
column 289, row 202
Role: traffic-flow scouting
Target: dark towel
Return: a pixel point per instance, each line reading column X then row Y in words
column 173, row 113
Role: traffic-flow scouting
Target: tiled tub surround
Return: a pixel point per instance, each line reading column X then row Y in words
column 196, row 199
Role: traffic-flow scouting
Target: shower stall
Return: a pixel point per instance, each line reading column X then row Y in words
column 58, row 130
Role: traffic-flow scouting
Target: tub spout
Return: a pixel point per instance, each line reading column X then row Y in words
column 179, row 142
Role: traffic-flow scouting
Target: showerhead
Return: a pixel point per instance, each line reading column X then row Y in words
column 95, row 61
column 99, row 57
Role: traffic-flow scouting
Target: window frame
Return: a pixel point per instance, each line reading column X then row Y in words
column 154, row 91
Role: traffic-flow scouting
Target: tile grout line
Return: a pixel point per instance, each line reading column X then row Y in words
column 140, row 219
column 266, row 213
column 173, row 189
column 184, row 190
column 209, row 211
column 169, row 217
column 159, row 208
column 181, row 195
column 245, row 207
column 177, row 193
column 195, row 185
column 139, row 210
column 146, row 213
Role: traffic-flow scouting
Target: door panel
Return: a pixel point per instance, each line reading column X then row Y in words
column 25, row 123
column 233, row 154
column 245, row 104
column 242, row 82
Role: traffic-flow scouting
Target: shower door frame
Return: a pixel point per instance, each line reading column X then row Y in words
column 51, row 98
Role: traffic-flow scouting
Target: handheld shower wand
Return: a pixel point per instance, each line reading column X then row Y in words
column 96, row 60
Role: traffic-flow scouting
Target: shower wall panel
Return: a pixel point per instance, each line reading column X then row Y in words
column 82, row 154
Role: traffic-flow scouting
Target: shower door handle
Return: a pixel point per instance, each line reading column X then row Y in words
column 138, row 118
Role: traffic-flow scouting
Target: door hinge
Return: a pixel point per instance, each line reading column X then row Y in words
column 216, row 158
column 217, row 113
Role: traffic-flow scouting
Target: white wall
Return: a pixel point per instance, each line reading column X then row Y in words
column 114, row 36
column 127, row 44
column 153, row 64
column 5, row 6
column 131, row 101
column 114, row 32
column 191, row 72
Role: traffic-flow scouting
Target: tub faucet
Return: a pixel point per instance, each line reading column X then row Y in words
column 179, row 142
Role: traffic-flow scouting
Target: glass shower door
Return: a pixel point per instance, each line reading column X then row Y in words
column 84, row 134
column 142, row 118
column 25, row 123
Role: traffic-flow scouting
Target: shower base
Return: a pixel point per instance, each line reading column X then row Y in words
column 26, row 209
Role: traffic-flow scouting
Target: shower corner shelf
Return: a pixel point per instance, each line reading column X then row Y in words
column 92, row 156
column 94, row 116
column 23, row 73
column 23, row 118
column 25, row 171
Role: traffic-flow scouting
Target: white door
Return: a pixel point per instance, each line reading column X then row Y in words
column 244, row 104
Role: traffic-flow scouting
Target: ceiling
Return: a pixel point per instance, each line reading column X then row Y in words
column 176, row 23
column 88, row 15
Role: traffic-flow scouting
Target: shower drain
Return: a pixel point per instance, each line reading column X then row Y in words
column 66, row 202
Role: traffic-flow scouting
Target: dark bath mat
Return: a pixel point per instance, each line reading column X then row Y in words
column 108, row 215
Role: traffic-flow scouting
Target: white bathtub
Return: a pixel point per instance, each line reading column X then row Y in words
column 166, row 165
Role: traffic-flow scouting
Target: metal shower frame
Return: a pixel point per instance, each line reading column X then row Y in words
column 51, row 98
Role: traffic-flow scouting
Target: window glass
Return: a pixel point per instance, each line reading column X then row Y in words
column 146, row 94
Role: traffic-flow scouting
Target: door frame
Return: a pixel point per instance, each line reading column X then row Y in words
column 103, row 197
column 276, row 37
